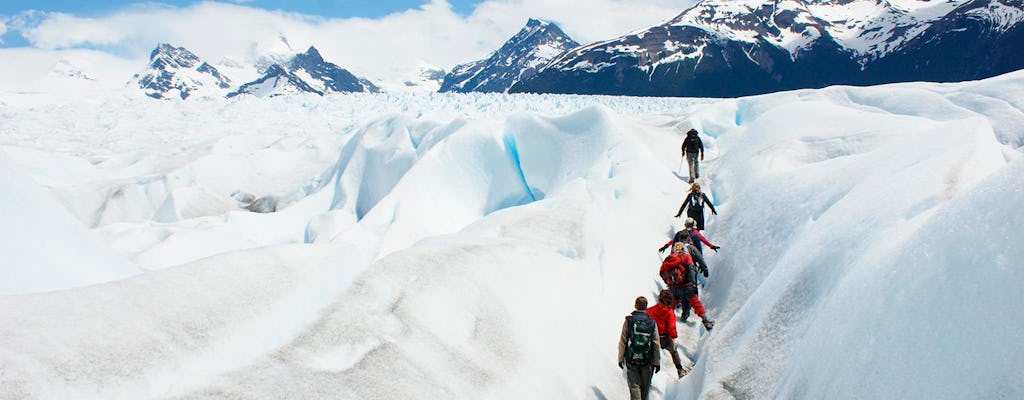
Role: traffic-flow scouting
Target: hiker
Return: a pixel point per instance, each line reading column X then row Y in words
column 691, row 232
column 694, row 205
column 665, row 316
column 679, row 273
column 692, row 147
column 639, row 350
column 684, row 241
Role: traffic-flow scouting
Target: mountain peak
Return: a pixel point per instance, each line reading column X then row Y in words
column 533, row 22
column 305, row 73
column 518, row 58
column 310, row 56
column 165, row 48
column 177, row 72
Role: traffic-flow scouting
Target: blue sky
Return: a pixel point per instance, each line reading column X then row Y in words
column 325, row 8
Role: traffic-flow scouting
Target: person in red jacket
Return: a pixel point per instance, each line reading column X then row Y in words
column 663, row 314
column 679, row 273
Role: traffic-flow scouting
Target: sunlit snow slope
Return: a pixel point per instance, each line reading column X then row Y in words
column 487, row 246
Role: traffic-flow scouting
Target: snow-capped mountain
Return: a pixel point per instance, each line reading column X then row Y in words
column 305, row 73
column 177, row 72
column 519, row 58
column 276, row 81
column 326, row 76
column 987, row 35
column 726, row 48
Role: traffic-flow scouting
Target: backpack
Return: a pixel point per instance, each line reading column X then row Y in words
column 691, row 144
column 696, row 200
column 639, row 348
column 680, row 272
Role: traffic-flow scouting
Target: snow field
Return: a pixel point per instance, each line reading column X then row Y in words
column 488, row 246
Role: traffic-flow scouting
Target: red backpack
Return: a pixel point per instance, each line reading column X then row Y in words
column 677, row 269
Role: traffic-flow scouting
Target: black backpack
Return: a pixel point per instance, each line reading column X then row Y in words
column 639, row 341
column 691, row 144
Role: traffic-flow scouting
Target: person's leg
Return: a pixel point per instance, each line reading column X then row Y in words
column 633, row 378
column 647, row 373
column 696, row 166
column 698, row 307
column 679, row 293
column 691, row 161
column 668, row 344
column 698, row 215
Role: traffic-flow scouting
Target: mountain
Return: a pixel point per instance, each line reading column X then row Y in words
column 276, row 81
column 519, row 58
column 325, row 76
column 979, row 39
column 735, row 48
column 305, row 73
column 177, row 72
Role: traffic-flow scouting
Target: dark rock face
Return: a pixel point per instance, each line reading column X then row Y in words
column 332, row 77
column 305, row 73
column 519, row 58
column 177, row 72
column 275, row 82
column 738, row 48
column 979, row 39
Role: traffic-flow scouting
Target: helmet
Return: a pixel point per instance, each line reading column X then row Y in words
column 690, row 223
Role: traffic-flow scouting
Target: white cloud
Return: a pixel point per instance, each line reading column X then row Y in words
column 392, row 47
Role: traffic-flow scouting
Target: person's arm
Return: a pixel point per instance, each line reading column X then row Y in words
column 672, row 333
column 708, row 202
column 667, row 244
column 701, row 144
column 699, row 260
column 682, row 207
column 622, row 342
column 703, row 239
column 656, row 360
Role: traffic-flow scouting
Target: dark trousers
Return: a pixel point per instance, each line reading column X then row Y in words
column 693, row 161
column 698, row 216
column 639, row 380
column 668, row 344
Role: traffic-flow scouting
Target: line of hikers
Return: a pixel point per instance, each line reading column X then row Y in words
column 647, row 331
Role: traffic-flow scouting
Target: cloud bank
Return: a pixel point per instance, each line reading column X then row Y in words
column 391, row 47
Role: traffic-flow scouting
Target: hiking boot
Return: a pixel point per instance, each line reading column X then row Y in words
column 708, row 323
column 684, row 370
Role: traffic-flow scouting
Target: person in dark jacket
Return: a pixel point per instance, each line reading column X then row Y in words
column 694, row 205
column 691, row 149
column 693, row 235
column 663, row 314
column 639, row 376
